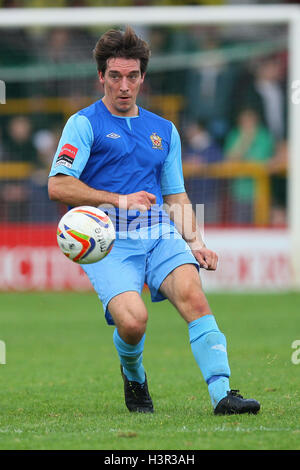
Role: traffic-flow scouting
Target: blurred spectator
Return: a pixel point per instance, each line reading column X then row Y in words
column 244, row 93
column 249, row 141
column 68, row 47
column 159, row 82
column 209, row 88
column 27, row 200
column 41, row 209
column 58, row 46
column 166, row 42
column 19, row 145
column 277, row 167
column 261, row 87
column 268, row 84
column 200, row 149
column 45, row 142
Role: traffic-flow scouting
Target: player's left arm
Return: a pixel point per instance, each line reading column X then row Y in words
column 179, row 206
column 181, row 212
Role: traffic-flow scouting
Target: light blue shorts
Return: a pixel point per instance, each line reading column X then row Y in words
column 144, row 256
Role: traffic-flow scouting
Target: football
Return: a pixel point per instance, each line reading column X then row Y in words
column 85, row 234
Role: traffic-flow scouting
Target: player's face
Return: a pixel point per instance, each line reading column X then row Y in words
column 121, row 81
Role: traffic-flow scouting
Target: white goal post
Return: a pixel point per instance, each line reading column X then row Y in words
column 246, row 14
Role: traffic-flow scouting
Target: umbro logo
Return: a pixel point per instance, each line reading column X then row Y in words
column 219, row 347
column 112, row 135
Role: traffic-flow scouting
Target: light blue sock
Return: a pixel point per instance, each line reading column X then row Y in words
column 209, row 348
column 131, row 357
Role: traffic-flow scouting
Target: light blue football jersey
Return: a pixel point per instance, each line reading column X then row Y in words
column 122, row 155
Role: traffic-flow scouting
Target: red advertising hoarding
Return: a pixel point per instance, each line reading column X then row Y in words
column 249, row 259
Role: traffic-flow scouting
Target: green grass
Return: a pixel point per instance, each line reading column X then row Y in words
column 61, row 387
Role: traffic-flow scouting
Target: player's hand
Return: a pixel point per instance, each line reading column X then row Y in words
column 141, row 201
column 206, row 258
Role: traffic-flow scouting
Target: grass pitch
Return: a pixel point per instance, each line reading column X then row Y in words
column 61, row 387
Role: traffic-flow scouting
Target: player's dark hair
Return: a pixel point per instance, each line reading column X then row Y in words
column 127, row 44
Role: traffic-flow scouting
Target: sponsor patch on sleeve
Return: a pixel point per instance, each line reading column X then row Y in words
column 66, row 155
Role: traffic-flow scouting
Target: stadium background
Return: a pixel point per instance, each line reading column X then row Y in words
column 225, row 88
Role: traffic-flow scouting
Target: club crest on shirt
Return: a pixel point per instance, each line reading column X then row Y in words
column 156, row 141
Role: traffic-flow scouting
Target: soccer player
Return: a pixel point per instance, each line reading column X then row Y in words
column 127, row 160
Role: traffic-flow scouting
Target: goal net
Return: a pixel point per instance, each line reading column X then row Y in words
column 223, row 75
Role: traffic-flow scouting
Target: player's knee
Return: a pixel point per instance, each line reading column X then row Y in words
column 193, row 303
column 134, row 327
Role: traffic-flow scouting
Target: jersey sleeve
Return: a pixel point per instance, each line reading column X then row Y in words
column 172, row 181
column 74, row 147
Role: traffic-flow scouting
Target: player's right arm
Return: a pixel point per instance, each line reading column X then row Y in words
column 73, row 192
column 69, row 161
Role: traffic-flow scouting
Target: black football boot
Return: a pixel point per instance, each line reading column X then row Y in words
column 137, row 397
column 234, row 403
